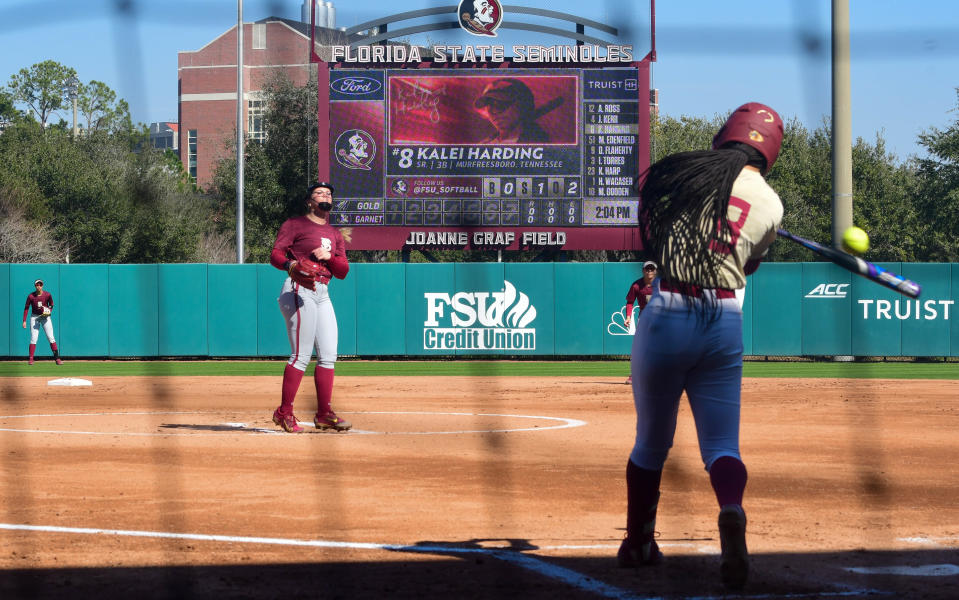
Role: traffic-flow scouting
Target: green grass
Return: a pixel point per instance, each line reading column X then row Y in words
column 482, row 368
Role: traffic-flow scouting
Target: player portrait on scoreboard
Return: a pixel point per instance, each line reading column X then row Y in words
column 481, row 110
column 509, row 106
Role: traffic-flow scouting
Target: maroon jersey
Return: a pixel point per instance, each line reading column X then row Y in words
column 38, row 303
column 640, row 292
column 299, row 236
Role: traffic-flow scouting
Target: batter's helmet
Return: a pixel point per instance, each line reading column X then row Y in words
column 755, row 125
column 508, row 90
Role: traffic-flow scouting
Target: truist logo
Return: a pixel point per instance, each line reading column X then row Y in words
column 828, row 290
column 479, row 320
column 356, row 86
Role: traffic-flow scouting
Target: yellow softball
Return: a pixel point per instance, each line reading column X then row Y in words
column 855, row 240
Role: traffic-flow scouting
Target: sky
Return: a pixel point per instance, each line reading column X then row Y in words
column 712, row 55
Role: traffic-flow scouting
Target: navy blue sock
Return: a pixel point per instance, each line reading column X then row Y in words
column 728, row 477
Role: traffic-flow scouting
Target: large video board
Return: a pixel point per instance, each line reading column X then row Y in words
column 504, row 158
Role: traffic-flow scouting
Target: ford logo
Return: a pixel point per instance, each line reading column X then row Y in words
column 355, row 85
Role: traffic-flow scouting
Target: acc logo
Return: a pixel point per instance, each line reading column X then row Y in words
column 355, row 86
column 355, row 149
column 828, row 290
column 480, row 17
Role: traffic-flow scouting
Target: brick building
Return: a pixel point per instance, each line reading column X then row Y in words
column 207, row 86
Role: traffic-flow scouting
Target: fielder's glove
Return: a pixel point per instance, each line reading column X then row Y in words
column 304, row 271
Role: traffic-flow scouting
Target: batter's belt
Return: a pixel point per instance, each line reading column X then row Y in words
column 695, row 291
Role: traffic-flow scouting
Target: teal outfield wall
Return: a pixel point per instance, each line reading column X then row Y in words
column 510, row 309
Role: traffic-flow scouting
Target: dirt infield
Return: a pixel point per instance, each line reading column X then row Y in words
column 459, row 487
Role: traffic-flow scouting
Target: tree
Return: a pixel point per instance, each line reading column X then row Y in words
column 41, row 88
column 276, row 172
column 884, row 195
column 938, row 194
column 669, row 135
column 99, row 106
column 23, row 240
column 105, row 198
column 8, row 111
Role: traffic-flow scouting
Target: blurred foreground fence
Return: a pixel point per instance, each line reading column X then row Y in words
column 417, row 310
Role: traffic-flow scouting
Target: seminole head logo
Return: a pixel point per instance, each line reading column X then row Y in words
column 480, row 17
column 355, row 149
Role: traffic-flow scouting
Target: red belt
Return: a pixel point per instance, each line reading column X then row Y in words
column 321, row 279
column 695, row 291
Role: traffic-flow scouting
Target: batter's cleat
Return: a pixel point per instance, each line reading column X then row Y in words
column 629, row 380
column 734, row 564
column 59, row 362
column 632, row 555
column 30, row 362
column 288, row 423
column 331, row 421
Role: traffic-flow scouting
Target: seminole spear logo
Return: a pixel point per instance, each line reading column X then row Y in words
column 355, row 149
column 480, row 17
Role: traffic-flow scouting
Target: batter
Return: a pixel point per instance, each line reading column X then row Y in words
column 306, row 306
column 708, row 217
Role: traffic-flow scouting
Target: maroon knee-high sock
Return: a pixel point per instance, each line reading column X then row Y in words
column 728, row 477
column 56, row 351
column 291, row 383
column 323, row 378
column 33, row 349
column 642, row 498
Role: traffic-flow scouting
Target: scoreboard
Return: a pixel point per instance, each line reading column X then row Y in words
column 506, row 158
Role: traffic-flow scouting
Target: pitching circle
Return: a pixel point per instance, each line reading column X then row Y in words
column 180, row 423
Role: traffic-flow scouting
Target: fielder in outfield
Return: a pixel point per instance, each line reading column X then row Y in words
column 39, row 305
column 707, row 217
column 640, row 292
column 312, row 252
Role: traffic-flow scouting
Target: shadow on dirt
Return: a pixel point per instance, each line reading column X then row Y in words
column 502, row 569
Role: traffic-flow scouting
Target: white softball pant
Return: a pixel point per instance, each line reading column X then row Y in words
column 675, row 350
column 38, row 323
column 310, row 322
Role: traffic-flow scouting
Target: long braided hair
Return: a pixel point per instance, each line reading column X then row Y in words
column 683, row 216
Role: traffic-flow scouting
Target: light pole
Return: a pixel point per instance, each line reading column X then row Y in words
column 73, row 90
column 240, row 146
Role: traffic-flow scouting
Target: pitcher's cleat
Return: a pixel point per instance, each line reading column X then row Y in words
column 331, row 421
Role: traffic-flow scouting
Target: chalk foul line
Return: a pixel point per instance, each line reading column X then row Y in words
column 525, row 561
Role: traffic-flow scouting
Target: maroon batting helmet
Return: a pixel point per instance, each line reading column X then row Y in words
column 755, row 125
